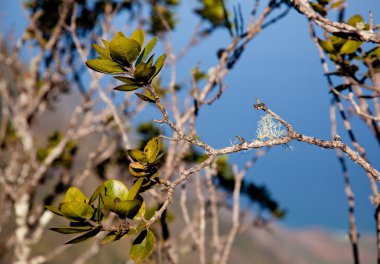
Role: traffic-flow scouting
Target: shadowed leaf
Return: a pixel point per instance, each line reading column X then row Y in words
column 86, row 236
column 142, row 246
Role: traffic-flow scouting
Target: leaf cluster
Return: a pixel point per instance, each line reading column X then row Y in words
column 87, row 215
column 129, row 60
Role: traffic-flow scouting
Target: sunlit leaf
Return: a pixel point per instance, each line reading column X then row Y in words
column 159, row 64
column 127, row 208
column 104, row 53
column 142, row 246
column 104, row 66
column 110, row 237
column 73, row 194
column 114, row 189
column 137, row 155
column 127, row 87
column 53, row 209
column 76, row 211
column 124, row 50
column 356, row 20
column 350, row 47
column 134, row 191
column 147, row 50
column 151, row 149
column 327, row 46
column 138, row 35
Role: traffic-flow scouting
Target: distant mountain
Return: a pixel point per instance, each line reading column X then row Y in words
column 308, row 246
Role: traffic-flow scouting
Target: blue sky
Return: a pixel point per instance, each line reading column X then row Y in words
column 281, row 67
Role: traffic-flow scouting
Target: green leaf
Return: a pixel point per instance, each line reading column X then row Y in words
column 337, row 4
column 142, row 246
column 96, row 194
column 106, row 43
column 337, row 42
column 137, row 155
column 86, row 236
column 327, row 46
column 141, row 211
column 355, row 20
column 115, row 189
column 53, row 209
column 147, row 50
column 110, row 237
column 151, row 149
column 124, row 50
column 70, row 230
column 138, row 35
column 350, row 47
column 73, row 194
column 134, row 191
column 137, row 169
column 145, row 98
column 127, row 80
column 104, row 66
column 76, row 211
column 127, row 87
column 146, row 74
column 127, row 208
column 104, row 53
column 159, row 64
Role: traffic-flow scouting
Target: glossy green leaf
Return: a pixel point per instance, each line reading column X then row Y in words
column 350, row 47
column 138, row 35
column 53, row 209
column 159, row 64
column 147, row 50
column 142, row 246
column 127, row 87
column 73, row 194
column 86, row 236
column 124, row 50
column 115, row 189
column 104, row 66
column 145, row 98
column 134, row 191
column 137, row 155
column 71, row 230
column 151, row 149
column 76, row 211
column 104, row 53
column 327, row 46
column 127, row 208
column 356, row 20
